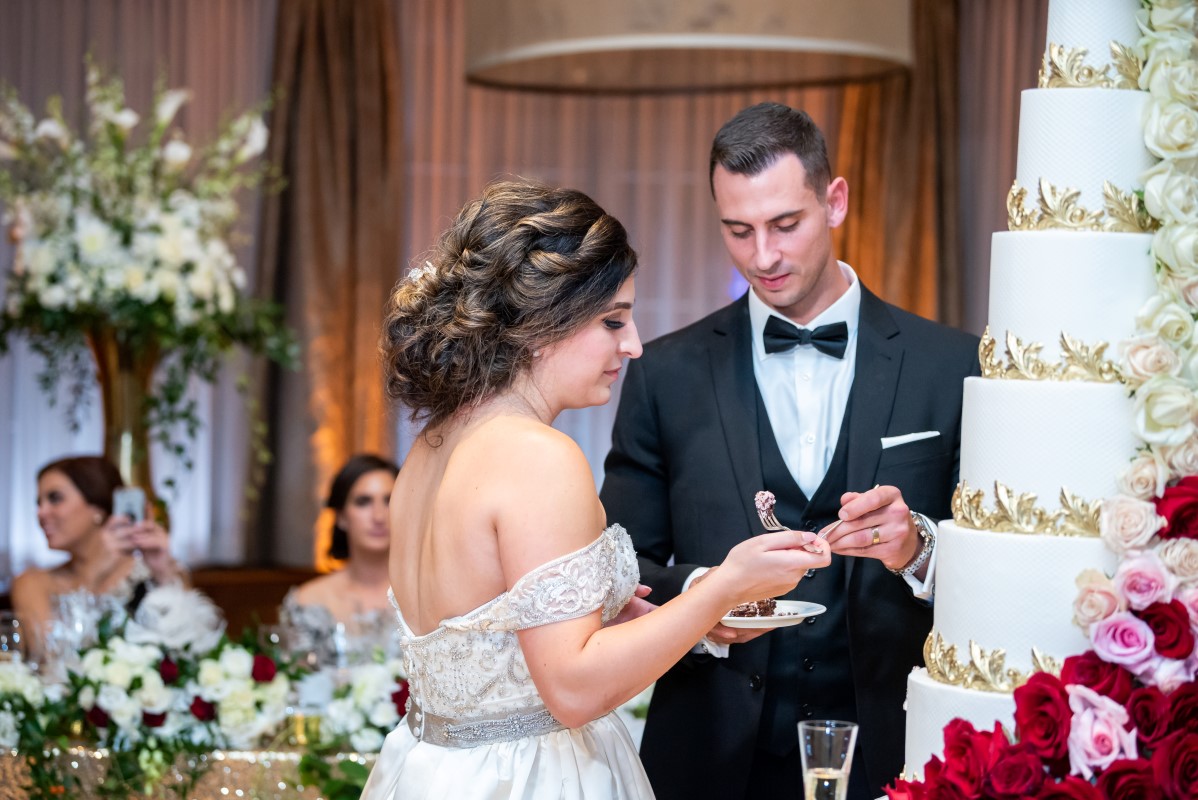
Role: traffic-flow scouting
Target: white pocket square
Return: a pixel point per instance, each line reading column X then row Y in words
column 906, row 438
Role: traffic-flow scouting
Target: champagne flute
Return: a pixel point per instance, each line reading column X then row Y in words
column 826, row 750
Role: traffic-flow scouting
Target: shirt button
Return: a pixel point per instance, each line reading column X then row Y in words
column 811, row 620
column 810, row 438
column 755, row 683
column 805, row 710
column 806, row 377
column 808, row 664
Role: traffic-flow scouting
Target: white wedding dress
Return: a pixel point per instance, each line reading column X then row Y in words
column 476, row 727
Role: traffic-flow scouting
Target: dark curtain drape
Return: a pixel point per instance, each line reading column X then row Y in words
column 330, row 247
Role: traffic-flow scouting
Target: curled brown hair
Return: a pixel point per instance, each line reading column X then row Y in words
column 523, row 266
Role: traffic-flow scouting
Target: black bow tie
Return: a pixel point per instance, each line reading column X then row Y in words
column 829, row 339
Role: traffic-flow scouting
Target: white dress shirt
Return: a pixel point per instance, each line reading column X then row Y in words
column 806, row 392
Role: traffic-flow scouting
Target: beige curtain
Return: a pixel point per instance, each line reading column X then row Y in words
column 898, row 140
column 330, row 246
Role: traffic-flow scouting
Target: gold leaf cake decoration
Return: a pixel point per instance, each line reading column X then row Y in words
column 1079, row 361
column 1017, row 512
column 985, row 670
column 1066, row 68
column 1058, row 209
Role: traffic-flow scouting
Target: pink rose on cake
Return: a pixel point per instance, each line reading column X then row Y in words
column 1145, row 476
column 1128, row 524
column 1123, row 639
column 1097, row 599
column 1188, row 597
column 1179, row 507
column 1182, row 459
column 1147, row 356
column 1143, row 579
column 1098, row 735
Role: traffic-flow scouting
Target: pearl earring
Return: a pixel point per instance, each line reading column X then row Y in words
column 99, row 518
column 536, row 353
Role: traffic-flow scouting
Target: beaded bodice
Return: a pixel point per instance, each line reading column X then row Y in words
column 472, row 665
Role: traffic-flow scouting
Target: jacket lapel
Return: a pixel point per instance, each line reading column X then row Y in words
column 875, row 386
column 736, row 400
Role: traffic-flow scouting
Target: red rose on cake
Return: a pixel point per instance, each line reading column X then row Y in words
column 1179, row 505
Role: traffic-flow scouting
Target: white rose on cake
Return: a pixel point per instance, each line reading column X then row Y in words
column 1176, row 248
column 1171, row 190
column 1164, row 411
column 1163, row 315
column 1171, row 130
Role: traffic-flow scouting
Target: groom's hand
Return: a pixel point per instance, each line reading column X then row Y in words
column 876, row 524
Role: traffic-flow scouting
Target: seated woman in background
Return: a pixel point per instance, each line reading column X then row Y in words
column 338, row 618
column 113, row 560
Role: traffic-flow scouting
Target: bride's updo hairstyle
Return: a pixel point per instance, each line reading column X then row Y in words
column 522, row 267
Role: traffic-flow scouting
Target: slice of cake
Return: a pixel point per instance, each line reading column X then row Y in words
column 757, row 608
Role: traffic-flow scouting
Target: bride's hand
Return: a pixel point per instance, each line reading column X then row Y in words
column 636, row 607
column 769, row 565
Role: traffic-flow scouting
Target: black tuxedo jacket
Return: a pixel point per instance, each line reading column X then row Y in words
column 684, row 466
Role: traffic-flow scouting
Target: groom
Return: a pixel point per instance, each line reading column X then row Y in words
column 845, row 407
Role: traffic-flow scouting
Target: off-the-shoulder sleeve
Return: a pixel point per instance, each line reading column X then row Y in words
column 602, row 575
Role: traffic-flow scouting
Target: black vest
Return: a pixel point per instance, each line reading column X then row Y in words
column 810, row 673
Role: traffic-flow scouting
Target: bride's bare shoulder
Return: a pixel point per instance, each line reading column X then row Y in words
column 526, row 442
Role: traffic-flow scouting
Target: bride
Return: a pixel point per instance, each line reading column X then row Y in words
column 507, row 584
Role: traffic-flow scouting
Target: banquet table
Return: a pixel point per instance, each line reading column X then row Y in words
column 257, row 774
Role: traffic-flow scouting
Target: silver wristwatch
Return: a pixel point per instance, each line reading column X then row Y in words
column 929, row 542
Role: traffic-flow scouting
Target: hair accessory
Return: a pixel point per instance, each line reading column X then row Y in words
column 416, row 273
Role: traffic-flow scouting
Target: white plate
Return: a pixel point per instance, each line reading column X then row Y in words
column 789, row 612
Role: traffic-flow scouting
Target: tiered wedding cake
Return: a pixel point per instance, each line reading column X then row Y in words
column 1048, row 428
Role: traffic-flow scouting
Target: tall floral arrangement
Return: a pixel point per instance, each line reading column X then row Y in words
column 1121, row 720
column 122, row 236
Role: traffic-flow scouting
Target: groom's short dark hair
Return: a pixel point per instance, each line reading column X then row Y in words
column 757, row 136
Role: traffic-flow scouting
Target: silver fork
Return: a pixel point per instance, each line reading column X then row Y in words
column 765, row 512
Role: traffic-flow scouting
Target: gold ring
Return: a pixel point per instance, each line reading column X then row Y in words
column 877, row 536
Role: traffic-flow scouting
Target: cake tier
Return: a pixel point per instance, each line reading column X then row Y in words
column 1013, row 591
column 932, row 705
column 1042, row 436
column 1085, row 23
column 1106, row 278
column 1079, row 138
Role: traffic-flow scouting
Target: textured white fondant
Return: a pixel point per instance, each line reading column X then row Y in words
column 1085, row 23
column 1042, row 436
column 1013, row 591
column 1089, row 285
column 1078, row 138
column 932, row 705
